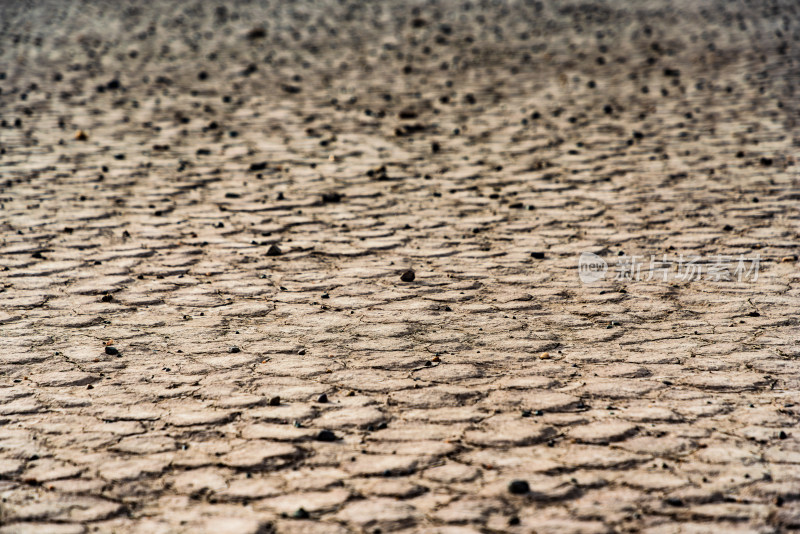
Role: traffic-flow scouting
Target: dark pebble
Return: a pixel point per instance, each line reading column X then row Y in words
column 537, row 255
column 519, row 487
column 234, row 349
column 326, row 435
column 727, row 228
column 256, row 33
column 331, row 197
column 255, row 167
column 275, row 401
column 112, row 351
column 322, row 398
column 291, row 89
column 408, row 276
column 274, row 250
column 107, row 298
column 300, row 513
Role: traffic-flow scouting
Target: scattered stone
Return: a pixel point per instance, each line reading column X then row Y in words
column 407, row 114
column 256, row 33
column 408, row 276
column 275, row 401
column 378, row 173
column 326, row 435
column 300, row 513
column 322, row 398
column 234, row 349
column 519, row 487
column 255, row 167
column 544, row 356
column 537, row 255
column 111, row 350
column 81, row 135
column 331, row 197
column 274, row 250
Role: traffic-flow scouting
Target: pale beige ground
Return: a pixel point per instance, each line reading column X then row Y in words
column 660, row 406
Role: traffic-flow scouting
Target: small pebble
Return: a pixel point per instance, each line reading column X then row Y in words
column 275, row 401
column 544, row 356
column 234, row 349
column 331, row 197
column 326, row 435
column 322, row 398
column 274, row 250
column 408, row 276
column 80, row 135
column 112, row 351
column 519, row 487
column 300, row 513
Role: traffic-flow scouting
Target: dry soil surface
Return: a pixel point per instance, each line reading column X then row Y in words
column 209, row 212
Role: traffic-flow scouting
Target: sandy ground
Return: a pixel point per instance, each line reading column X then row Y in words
column 208, row 212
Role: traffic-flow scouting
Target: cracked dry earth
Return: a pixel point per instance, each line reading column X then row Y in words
column 203, row 325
